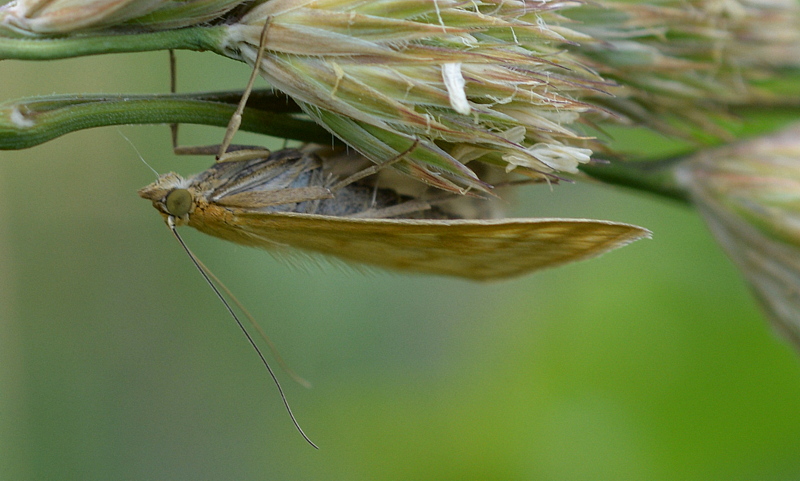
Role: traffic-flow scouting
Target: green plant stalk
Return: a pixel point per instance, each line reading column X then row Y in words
column 28, row 122
column 653, row 176
column 658, row 176
column 193, row 38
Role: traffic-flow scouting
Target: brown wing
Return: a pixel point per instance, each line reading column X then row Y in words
column 473, row 249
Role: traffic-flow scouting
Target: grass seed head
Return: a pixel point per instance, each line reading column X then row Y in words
column 488, row 80
column 749, row 195
column 66, row 17
column 517, row 84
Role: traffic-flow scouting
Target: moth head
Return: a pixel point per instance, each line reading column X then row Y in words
column 171, row 197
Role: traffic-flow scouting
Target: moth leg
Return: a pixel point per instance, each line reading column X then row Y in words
column 173, row 88
column 236, row 118
column 234, row 152
column 374, row 200
column 373, row 169
column 403, row 209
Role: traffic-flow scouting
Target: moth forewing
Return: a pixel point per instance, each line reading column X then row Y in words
column 283, row 200
column 472, row 249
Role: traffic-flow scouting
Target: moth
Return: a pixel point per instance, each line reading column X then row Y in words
column 292, row 198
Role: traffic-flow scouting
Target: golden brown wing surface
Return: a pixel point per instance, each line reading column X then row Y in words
column 473, row 249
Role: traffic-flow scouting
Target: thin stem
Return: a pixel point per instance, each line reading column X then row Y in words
column 656, row 176
column 194, row 38
column 28, row 122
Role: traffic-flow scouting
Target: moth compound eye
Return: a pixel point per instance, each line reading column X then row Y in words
column 178, row 202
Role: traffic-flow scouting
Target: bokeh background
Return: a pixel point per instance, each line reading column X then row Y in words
column 118, row 363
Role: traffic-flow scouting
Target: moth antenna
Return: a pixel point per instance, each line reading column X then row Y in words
column 200, row 267
column 273, row 349
column 137, row 152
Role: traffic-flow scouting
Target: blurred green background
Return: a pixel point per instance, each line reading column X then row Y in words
column 118, row 363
